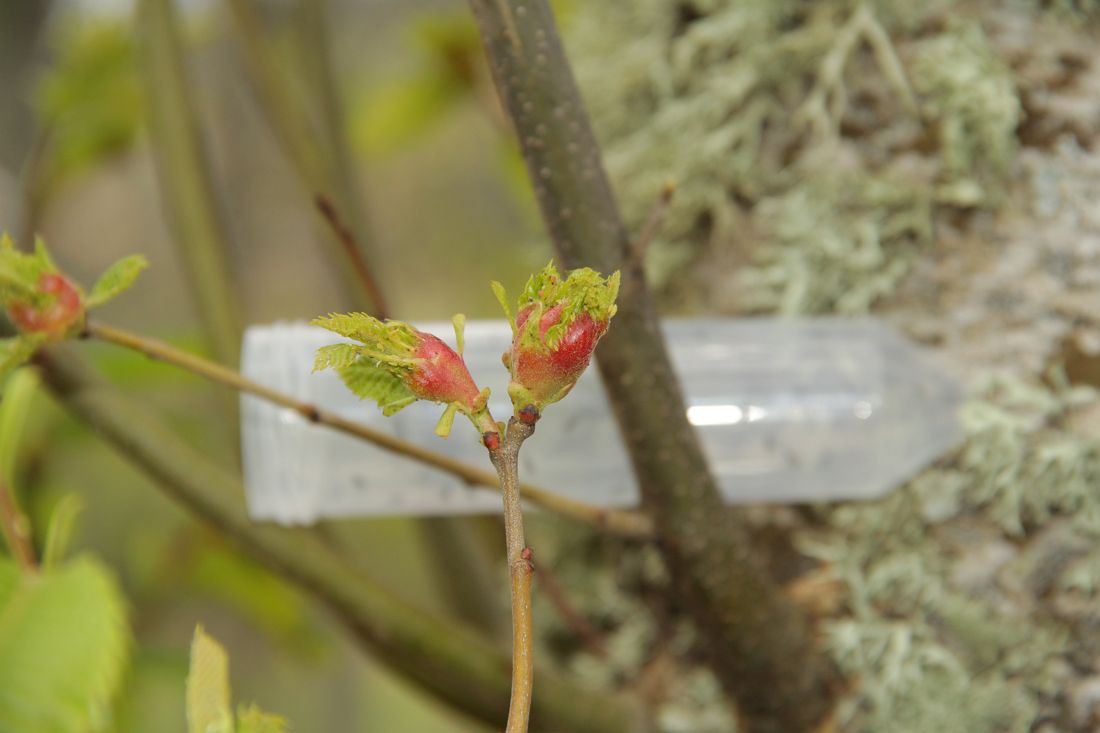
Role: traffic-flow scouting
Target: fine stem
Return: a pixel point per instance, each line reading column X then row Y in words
column 568, row 611
column 349, row 243
column 620, row 522
column 14, row 527
column 506, row 461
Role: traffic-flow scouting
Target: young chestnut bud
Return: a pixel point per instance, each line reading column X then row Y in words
column 556, row 328
column 396, row 364
column 54, row 310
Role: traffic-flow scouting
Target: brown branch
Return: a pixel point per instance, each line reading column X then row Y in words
column 570, row 614
column 505, row 459
column 14, row 526
column 617, row 521
column 346, row 238
column 759, row 644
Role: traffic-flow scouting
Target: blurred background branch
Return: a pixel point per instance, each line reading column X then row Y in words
column 194, row 203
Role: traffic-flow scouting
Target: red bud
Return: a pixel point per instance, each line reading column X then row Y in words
column 441, row 374
column 56, row 314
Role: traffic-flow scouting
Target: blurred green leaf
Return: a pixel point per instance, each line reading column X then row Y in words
column 90, row 101
column 263, row 598
column 15, row 351
column 19, row 392
column 399, row 112
column 208, row 696
column 20, row 272
column 116, row 279
column 403, row 109
column 59, row 533
column 208, row 700
column 63, row 647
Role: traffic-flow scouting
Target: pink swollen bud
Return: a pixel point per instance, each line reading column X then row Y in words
column 440, row 374
column 58, row 312
column 547, row 372
column 547, row 357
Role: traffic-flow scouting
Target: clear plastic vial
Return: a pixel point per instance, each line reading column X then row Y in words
column 787, row 410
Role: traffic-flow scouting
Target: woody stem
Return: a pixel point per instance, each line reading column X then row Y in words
column 505, row 459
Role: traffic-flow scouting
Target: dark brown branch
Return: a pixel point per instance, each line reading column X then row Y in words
column 760, row 644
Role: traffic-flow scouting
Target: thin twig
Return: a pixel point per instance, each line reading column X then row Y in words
column 616, row 521
column 318, row 176
column 14, row 526
column 585, row 631
column 640, row 245
column 345, row 237
column 346, row 201
column 505, row 459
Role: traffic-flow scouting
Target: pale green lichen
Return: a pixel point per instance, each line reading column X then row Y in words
column 839, row 245
column 817, row 148
column 969, row 93
column 933, row 648
column 755, row 108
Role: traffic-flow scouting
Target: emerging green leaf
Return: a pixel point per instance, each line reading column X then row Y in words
column 63, row 647
column 19, row 391
column 372, row 381
column 208, row 699
column 458, row 320
column 397, row 365
column 20, row 273
column 59, row 532
column 116, row 279
column 384, row 338
column 90, row 99
column 502, row 298
column 582, row 291
column 446, row 421
column 336, row 356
